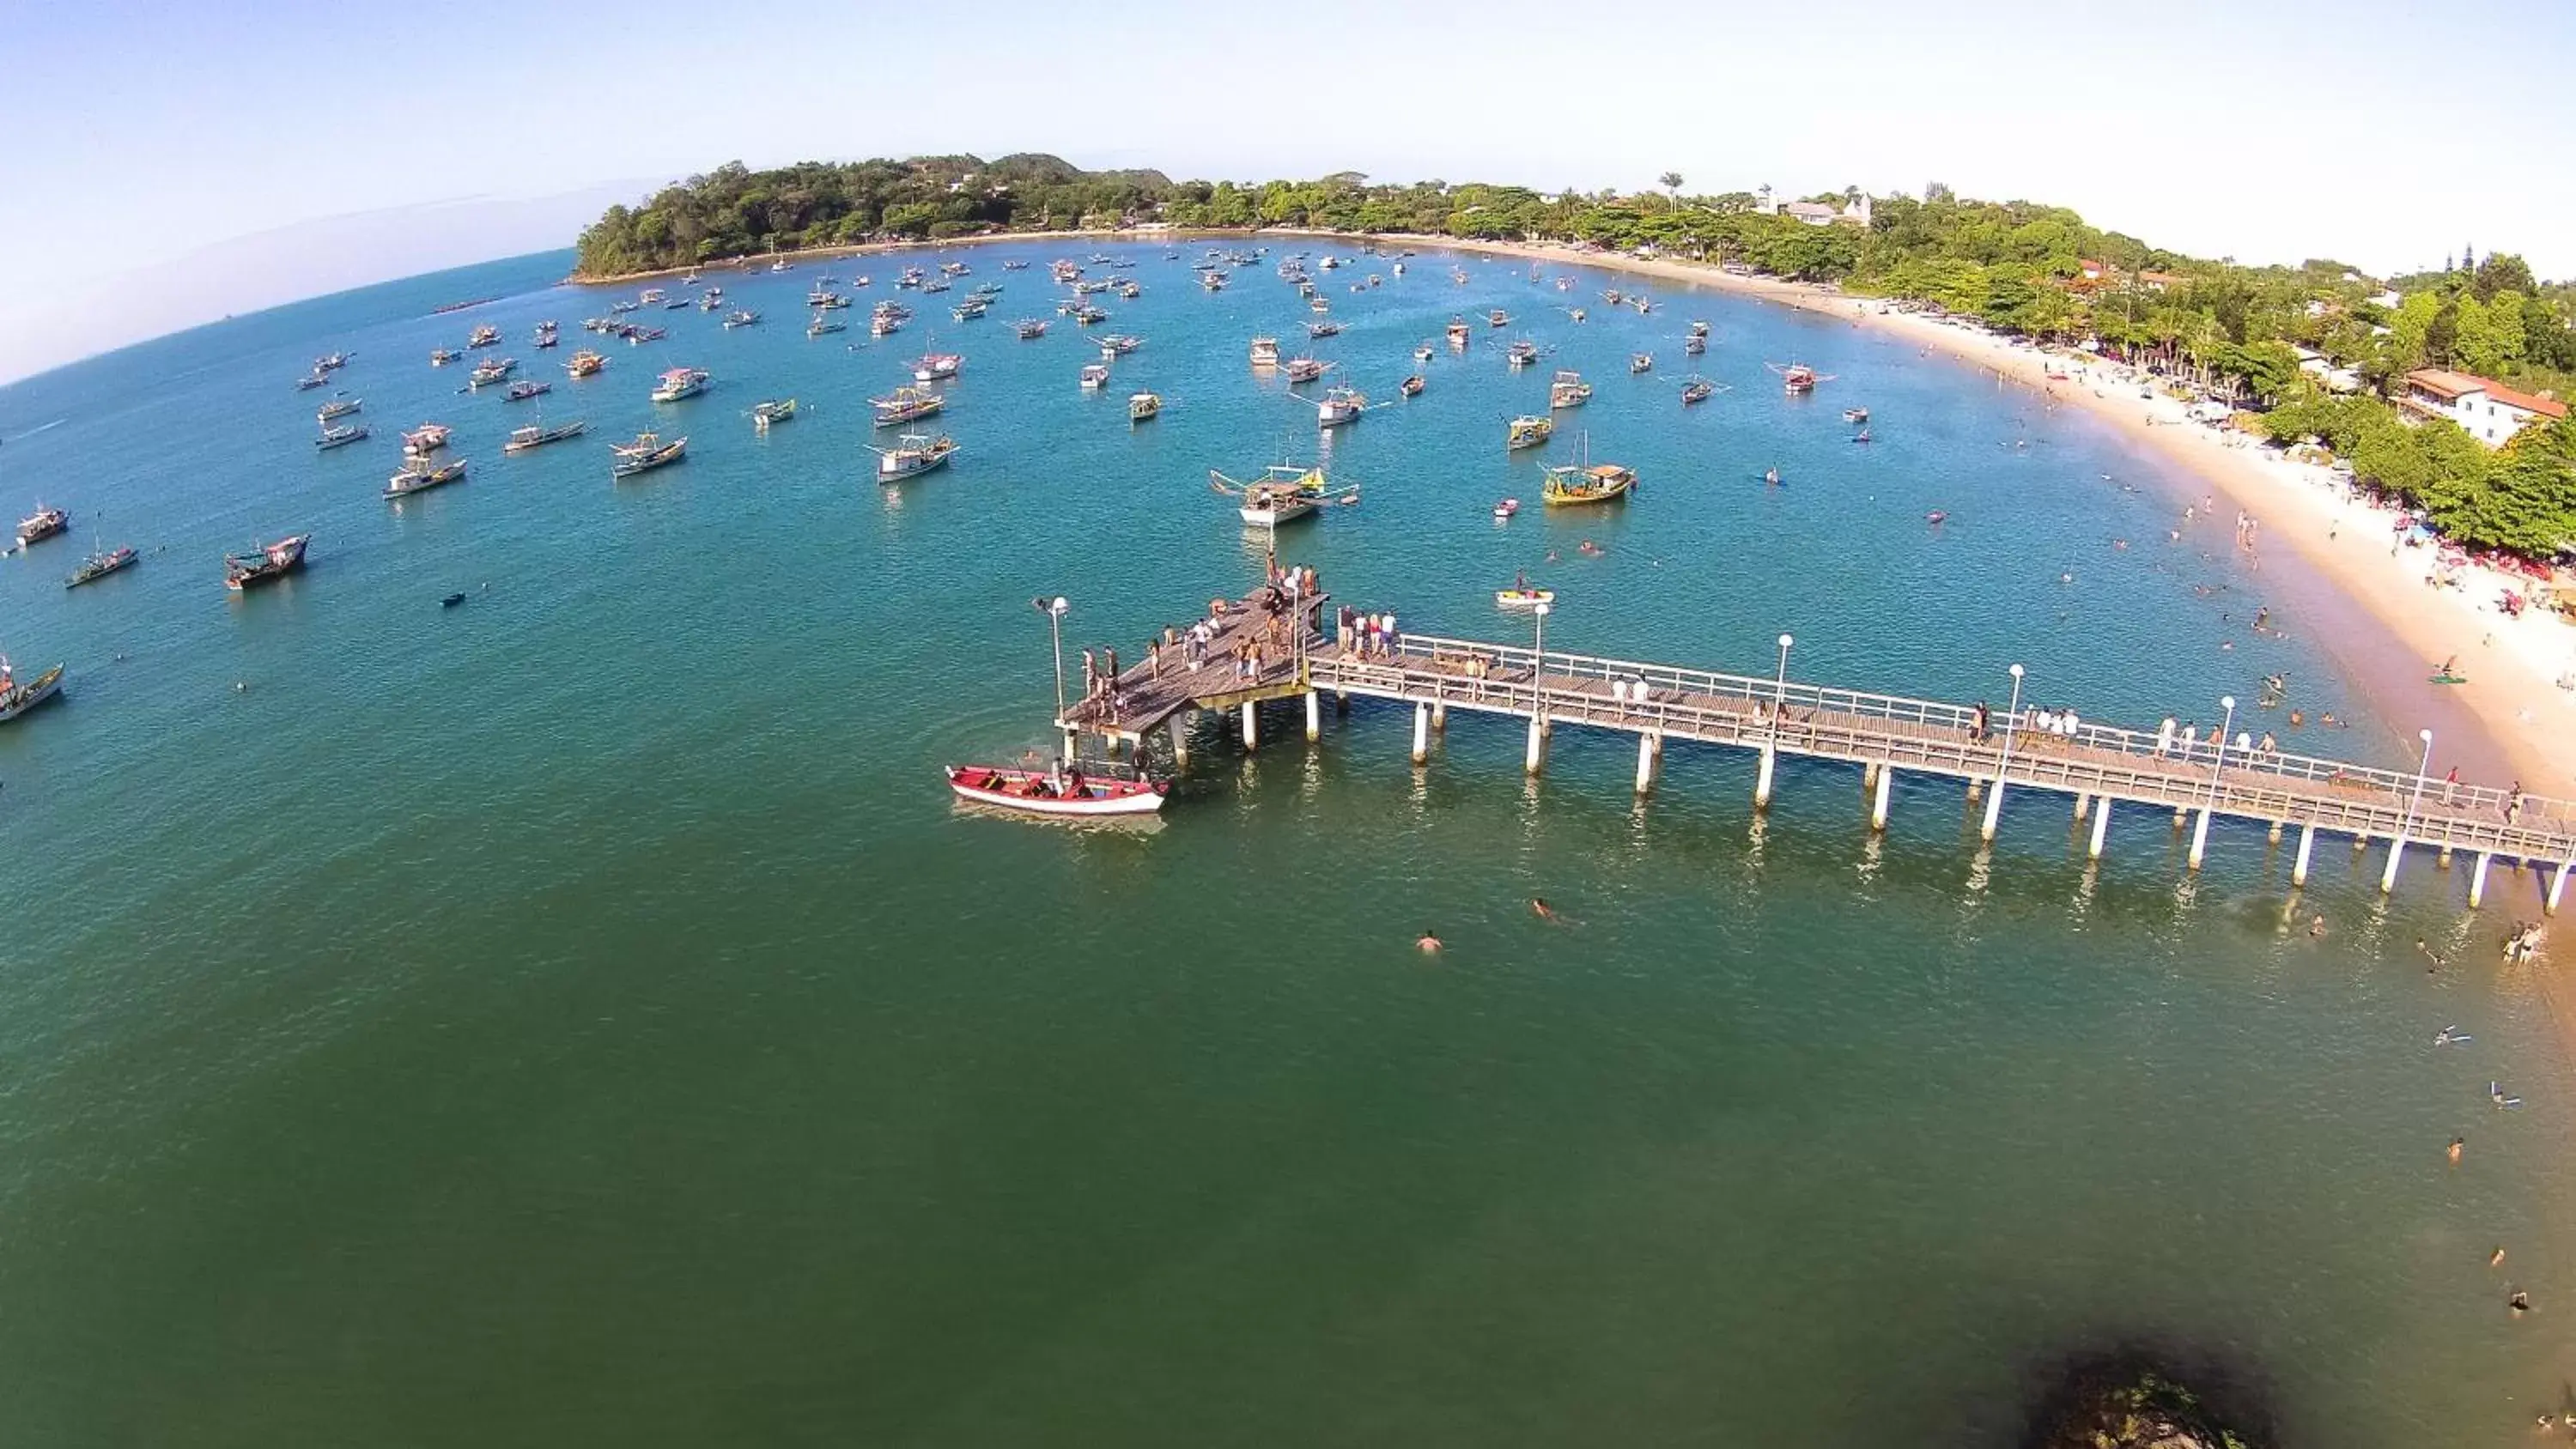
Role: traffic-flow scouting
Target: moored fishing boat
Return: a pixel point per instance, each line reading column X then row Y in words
column 912, row 456
column 1340, row 405
column 100, row 565
column 1324, row 329
column 585, row 363
column 486, row 334
column 440, row 356
column 537, row 435
column 1119, row 344
column 825, row 297
column 678, row 383
column 310, row 381
column 1528, row 432
column 1699, row 329
column 338, row 407
column 906, row 404
column 1143, row 405
column 340, row 437
column 42, row 524
column 1696, row 389
column 17, row 696
column 645, row 454
column 526, row 388
column 1029, row 329
column 1586, row 482
column 270, row 562
column 1305, row 369
column 485, row 374
column 1640, row 362
column 1284, row 493
column 638, row 336
column 1498, row 318
column 1095, row 376
column 824, row 324
column 417, row 476
column 1521, row 354
column 334, row 361
column 1458, row 334
column 1058, row 791
column 1265, row 351
column 936, row 366
column 424, row 440
column 1695, row 345
column 1569, row 390
column 1855, row 415
column 1411, row 386
column 1797, row 379
column 772, row 410
column 741, row 317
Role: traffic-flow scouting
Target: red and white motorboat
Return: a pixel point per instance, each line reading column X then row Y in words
column 1045, row 792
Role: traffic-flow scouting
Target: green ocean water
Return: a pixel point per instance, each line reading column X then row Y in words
column 580, row 1016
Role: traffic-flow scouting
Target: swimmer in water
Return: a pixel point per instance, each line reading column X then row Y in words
column 2453, row 1151
column 1429, row 944
column 2496, row 1259
column 1541, row 909
column 2518, row 1301
column 2316, row 927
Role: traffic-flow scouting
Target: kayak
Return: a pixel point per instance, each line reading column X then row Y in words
column 1523, row 598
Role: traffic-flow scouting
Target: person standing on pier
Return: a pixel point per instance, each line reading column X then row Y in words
column 1090, row 676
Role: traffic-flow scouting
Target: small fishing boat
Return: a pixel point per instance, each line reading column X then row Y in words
column 1059, row 791
column 1340, row 405
column 1086, row 316
column 1521, row 354
column 1119, row 344
column 912, row 456
column 638, row 336
column 620, row 308
column 1585, row 482
column 678, row 383
column 1458, row 335
column 1015, row 266
column 341, row 436
column 526, row 388
column 1029, row 329
column 711, row 299
column 1212, row 280
column 1936, row 516
column 1697, row 390
column 1855, row 415
column 417, row 476
column 1265, row 351
column 1498, row 318
column 884, row 324
column 1130, row 291
column 1797, row 378
column 1861, row 437
column 310, row 381
column 424, row 440
column 905, row 405
column 585, row 363
column 823, row 325
column 440, row 356
column 334, row 361
column 1305, row 369
column 451, row 601
column 1569, row 390
column 1095, row 376
column 967, row 311
column 1699, row 329
column 645, row 454
column 338, row 407
column 1323, row 329
column 1575, row 312
column 1283, row 493
column 772, row 410
column 100, row 565
column 1523, row 597
column 1613, row 297
column 1528, row 432
column 537, row 435
column 42, row 524
column 19, row 696
column 270, row 562
column 1640, row 362
column 651, row 295
column 487, row 335
column 1695, row 345
column 937, row 367
column 741, row 317
column 1422, row 353
column 825, row 297
column 1411, row 386
column 1143, row 405
column 486, row 374
column 1506, row 509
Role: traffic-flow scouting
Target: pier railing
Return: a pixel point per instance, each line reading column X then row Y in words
column 1871, row 728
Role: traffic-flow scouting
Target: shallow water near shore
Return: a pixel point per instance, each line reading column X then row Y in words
column 580, row 1014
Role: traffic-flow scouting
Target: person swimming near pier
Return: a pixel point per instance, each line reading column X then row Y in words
column 1429, row 944
column 2453, row 1151
column 1541, row 909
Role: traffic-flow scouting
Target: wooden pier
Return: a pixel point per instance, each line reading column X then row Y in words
column 2102, row 767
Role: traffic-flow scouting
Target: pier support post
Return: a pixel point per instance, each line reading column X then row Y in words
column 2557, row 884
column 1341, row 701
column 1868, row 773
column 2396, row 853
column 2307, row 843
column 1440, row 715
column 2200, row 838
column 1072, row 743
column 1994, row 808
column 1421, row 733
column 2478, row 880
column 2275, row 836
column 2442, row 857
column 1762, row 778
column 2181, row 814
column 1314, row 717
column 2083, row 806
column 1878, row 804
column 1535, row 758
column 1646, row 762
column 1251, row 729
column 2101, row 827
column 1180, row 731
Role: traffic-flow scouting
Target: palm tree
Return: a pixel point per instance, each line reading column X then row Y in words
column 1671, row 181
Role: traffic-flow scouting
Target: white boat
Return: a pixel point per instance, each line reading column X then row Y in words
column 937, row 367
column 1054, row 792
column 1340, row 405
column 1095, row 376
column 912, row 456
column 678, row 383
column 19, row 696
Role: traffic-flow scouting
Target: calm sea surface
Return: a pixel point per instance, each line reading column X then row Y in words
column 580, row 1016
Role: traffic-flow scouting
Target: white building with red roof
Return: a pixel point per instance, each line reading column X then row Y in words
column 2490, row 411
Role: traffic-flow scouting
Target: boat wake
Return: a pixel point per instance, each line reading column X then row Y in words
column 44, row 428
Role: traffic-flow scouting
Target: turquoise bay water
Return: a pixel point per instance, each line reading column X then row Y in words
column 580, row 1016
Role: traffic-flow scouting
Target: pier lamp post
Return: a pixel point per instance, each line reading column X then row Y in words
column 1780, row 679
column 1055, row 609
column 2218, row 766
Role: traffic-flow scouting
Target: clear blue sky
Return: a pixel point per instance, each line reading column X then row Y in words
column 133, row 136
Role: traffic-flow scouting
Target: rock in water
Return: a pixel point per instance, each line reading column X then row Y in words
column 2140, row 1409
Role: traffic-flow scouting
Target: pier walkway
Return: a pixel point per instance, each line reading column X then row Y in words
column 2101, row 766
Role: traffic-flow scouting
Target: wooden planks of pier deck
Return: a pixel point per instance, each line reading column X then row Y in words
column 2101, row 766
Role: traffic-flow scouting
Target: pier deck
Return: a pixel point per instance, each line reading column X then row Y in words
column 2099, row 765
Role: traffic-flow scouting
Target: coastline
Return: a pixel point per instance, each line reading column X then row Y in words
column 860, row 249
column 2512, row 663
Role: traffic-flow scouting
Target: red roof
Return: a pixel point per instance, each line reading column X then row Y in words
column 2446, row 384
